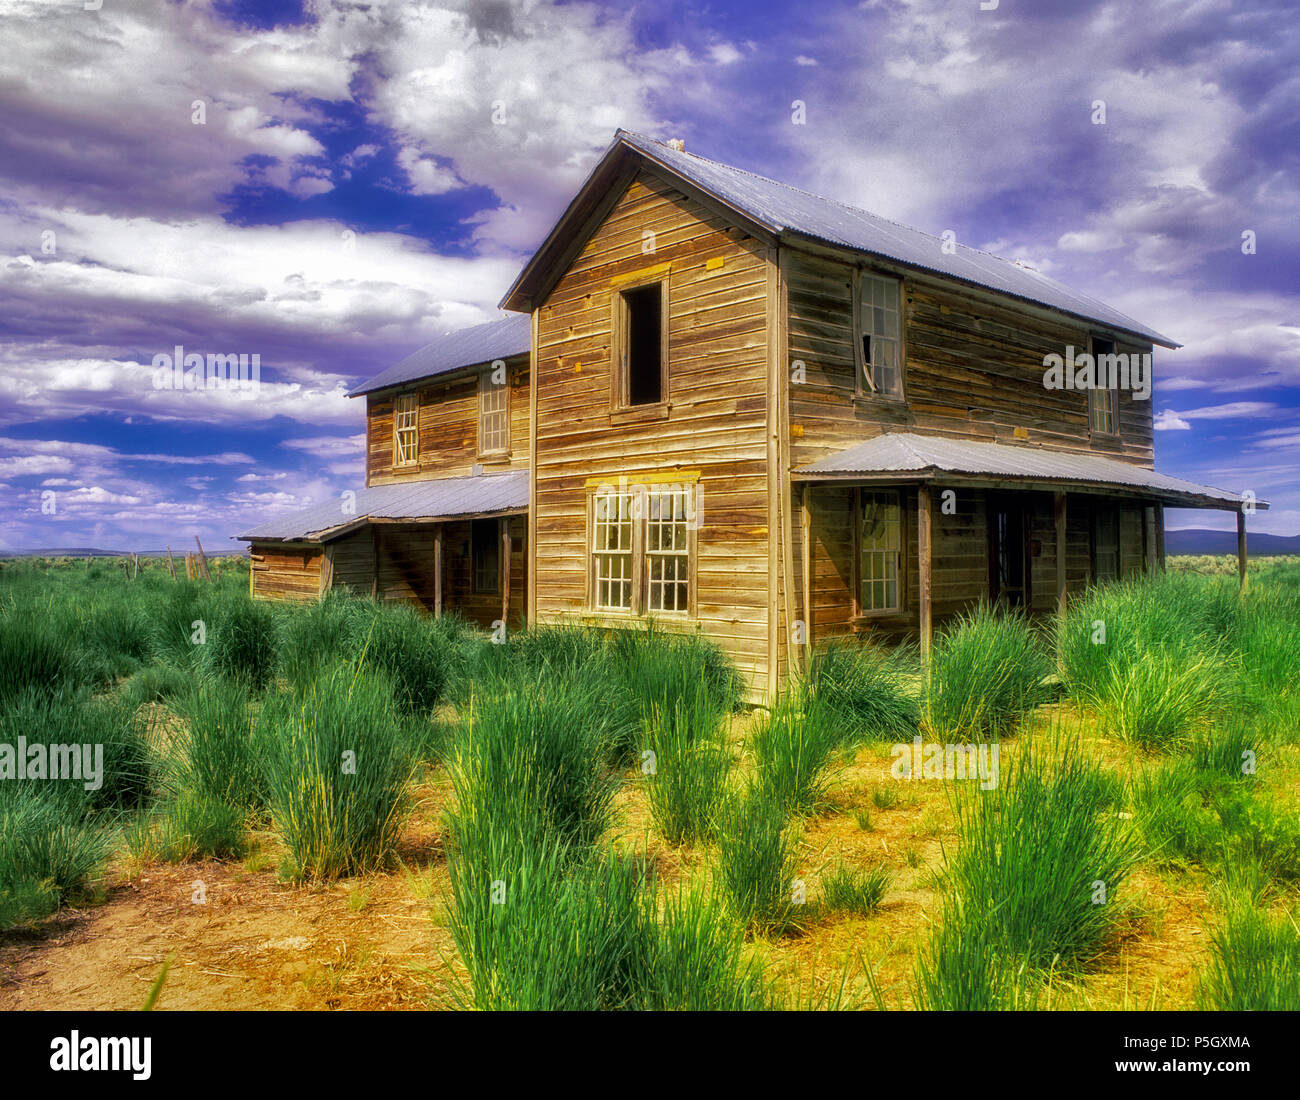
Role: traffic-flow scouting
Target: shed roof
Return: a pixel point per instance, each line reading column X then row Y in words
column 925, row 456
column 467, row 347
column 787, row 211
column 443, row 498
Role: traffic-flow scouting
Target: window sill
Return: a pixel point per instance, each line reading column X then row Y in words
column 495, row 458
column 870, row 400
column 638, row 414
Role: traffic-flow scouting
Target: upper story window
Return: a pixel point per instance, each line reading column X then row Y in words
column 880, row 362
column 494, row 415
column 641, row 360
column 406, row 431
column 1103, row 398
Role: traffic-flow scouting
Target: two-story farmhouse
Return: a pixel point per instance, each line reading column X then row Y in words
column 734, row 406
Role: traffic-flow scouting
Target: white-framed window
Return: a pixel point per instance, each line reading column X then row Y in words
column 880, row 352
column 1105, row 542
column 1103, row 399
column 494, row 415
column 612, row 549
column 406, row 430
column 667, row 549
column 880, row 551
column 642, row 548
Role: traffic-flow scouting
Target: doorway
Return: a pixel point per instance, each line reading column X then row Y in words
column 1008, row 552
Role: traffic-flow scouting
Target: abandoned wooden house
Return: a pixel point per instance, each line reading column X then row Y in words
column 737, row 407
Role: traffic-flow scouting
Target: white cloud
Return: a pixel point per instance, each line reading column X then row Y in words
column 1167, row 421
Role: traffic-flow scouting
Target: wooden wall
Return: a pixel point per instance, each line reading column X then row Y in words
column 285, row 571
column 448, row 425
column 960, row 576
column 973, row 370
column 714, row 423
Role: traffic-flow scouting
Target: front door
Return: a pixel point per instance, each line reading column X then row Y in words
column 1008, row 552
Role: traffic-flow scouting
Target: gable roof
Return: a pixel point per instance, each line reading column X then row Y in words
column 904, row 453
column 442, row 498
column 789, row 213
column 466, row 347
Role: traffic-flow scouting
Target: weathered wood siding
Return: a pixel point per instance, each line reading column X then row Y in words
column 714, row 423
column 448, row 427
column 973, row 370
column 285, row 571
column 960, row 572
column 406, row 572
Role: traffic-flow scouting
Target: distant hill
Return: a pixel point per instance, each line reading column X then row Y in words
column 96, row 552
column 1258, row 544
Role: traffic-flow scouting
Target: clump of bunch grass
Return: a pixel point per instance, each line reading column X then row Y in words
column 241, row 641
column 409, row 648
column 964, row 967
column 858, row 890
column 688, row 783
column 336, row 772
column 1254, row 953
column 756, row 859
column 35, row 654
column 867, row 688
column 1041, row 861
column 793, row 748
column 986, row 674
column 1153, row 701
column 189, row 825
column 48, row 852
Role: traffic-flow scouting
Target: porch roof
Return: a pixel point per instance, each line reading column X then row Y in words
column 907, row 456
column 410, row 501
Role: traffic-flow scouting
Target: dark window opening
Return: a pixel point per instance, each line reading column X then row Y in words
column 485, row 547
column 643, row 347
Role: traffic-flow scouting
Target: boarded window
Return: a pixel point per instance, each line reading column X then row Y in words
column 667, row 549
column 494, row 415
column 1103, row 399
column 1105, row 542
column 612, row 550
column 406, row 432
column 485, row 552
column 642, row 345
column 881, row 327
column 881, row 549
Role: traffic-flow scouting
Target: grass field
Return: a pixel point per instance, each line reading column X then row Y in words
column 353, row 806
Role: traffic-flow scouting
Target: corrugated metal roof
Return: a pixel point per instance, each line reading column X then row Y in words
column 907, row 453
column 785, row 209
column 466, row 347
column 414, row 500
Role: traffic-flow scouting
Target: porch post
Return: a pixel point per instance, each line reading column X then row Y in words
column 1059, row 510
column 505, row 569
column 805, row 552
column 1149, row 538
column 1160, row 535
column 924, row 550
column 1241, row 549
column 437, row 571
column 374, row 557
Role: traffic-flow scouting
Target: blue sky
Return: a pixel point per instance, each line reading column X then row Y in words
column 322, row 184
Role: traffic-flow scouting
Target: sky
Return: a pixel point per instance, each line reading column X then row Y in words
column 330, row 184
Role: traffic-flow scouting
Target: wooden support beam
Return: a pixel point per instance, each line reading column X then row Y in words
column 1059, row 511
column 326, row 568
column 1151, row 550
column 806, row 567
column 437, row 572
column 1241, row 550
column 1160, row 535
column 925, row 567
column 505, row 570
column 374, row 558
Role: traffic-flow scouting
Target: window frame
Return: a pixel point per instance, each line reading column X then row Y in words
column 487, row 386
column 864, row 384
column 1111, row 391
column 640, row 556
column 901, row 593
column 1108, row 511
column 620, row 376
column 475, row 585
column 400, row 460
